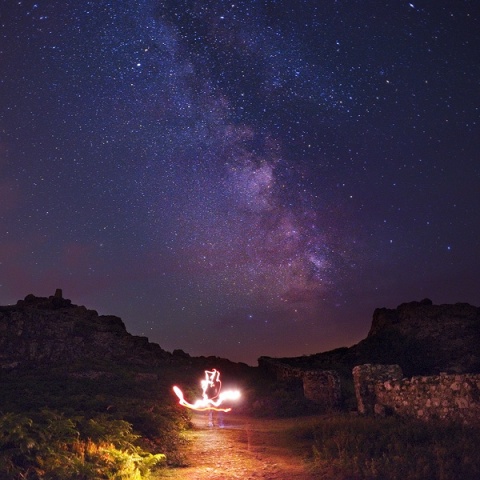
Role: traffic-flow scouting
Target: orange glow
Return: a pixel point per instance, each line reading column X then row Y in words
column 212, row 397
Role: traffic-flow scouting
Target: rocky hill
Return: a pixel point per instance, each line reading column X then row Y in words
column 45, row 331
column 41, row 330
column 422, row 338
column 436, row 338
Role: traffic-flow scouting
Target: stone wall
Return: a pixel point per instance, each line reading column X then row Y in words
column 319, row 386
column 453, row 397
column 365, row 377
column 322, row 387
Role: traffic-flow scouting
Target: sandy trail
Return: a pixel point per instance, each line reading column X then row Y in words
column 245, row 448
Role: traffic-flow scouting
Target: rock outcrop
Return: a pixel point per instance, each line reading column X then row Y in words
column 437, row 338
column 424, row 339
column 43, row 330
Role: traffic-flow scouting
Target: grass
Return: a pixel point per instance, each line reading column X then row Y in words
column 53, row 421
column 347, row 447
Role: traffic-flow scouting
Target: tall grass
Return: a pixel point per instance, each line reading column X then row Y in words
column 347, row 447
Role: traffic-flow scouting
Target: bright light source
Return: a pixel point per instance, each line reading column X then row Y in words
column 212, row 397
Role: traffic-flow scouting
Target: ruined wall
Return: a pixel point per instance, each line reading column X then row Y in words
column 365, row 377
column 322, row 387
column 446, row 396
column 319, row 386
column 451, row 397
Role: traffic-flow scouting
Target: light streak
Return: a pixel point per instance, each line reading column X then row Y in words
column 212, row 397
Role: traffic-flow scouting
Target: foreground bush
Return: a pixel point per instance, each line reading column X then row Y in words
column 116, row 394
column 395, row 449
column 50, row 446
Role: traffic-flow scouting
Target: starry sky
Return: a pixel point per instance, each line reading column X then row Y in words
column 240, row 178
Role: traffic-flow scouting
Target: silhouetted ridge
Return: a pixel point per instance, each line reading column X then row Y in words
column 422, row 338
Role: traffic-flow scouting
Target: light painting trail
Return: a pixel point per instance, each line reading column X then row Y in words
column 212, row 397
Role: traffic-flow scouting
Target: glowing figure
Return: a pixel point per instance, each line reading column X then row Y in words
column 212, row 397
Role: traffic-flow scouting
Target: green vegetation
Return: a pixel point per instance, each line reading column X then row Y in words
column 95, row 424
column 348, row 447
column 48, row 445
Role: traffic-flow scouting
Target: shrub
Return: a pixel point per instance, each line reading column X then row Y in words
column 50, row 446
column 148, row 406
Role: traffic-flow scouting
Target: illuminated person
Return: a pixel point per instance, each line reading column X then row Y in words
column 211, row 387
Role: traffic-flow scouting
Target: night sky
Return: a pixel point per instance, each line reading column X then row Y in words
column 240, row 178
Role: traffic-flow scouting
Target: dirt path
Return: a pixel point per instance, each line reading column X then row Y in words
column 245, row 449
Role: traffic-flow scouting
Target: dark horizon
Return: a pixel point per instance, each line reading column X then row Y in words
column 59, row 293
column 241, row 179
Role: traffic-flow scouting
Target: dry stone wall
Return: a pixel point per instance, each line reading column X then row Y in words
column 322, row 387
column 319, row 386
column 454, row 397
column 450, row 397
column 365, row 378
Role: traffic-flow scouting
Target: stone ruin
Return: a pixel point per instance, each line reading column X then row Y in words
column 319, row 386
column 365, row 378
column 322, row 387
column 382, row 390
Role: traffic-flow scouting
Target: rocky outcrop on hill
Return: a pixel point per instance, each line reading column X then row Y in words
column 43, row 330
column 424, row 339
column 435, row 338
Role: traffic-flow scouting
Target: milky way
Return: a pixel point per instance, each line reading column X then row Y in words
column 240, row 178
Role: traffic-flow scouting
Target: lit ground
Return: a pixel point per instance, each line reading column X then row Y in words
column 245, row 448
